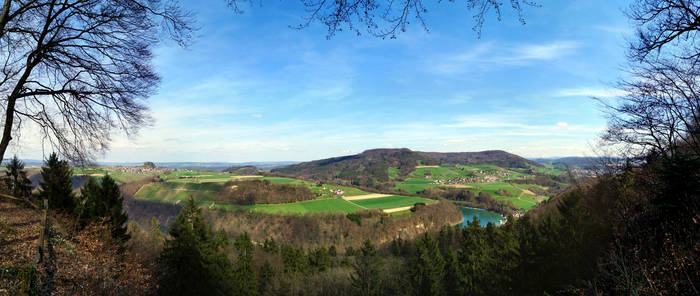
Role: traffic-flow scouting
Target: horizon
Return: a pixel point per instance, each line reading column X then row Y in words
column 252, row 89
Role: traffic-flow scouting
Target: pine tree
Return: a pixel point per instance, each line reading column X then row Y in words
column 87, row 209
column 191, row 262
column 266, row 274
column 103, row 200
column 112, row 202
column 365, row 278
column 16, row 178
column 427, row 267
column 57, row 186
column 243, row 268
column 454, row 281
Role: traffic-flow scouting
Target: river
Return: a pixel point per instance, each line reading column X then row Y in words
column 484, row 216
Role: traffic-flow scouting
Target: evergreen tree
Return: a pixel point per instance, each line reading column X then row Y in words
column 57, row 186
column 87, row 209
column 365, row 278
column 454, row 281
column 191, row 261
column 243, row 268
column 103, row 200
column 16, row 178
column 266, row 275
column 427, row 267
column 112, row 202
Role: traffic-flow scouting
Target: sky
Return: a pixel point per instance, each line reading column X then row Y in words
column 250, row 88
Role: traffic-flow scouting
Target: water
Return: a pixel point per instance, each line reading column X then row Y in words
column 484, row 216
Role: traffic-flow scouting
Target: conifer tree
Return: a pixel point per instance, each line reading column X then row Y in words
column 365, row 278
column 57, row 186
column 243, row 268
column 112, row 202
column 266, row 274
column 427, row 267
column 16, row 178
column 87, row 209
column 103, row 200
column 190, row 261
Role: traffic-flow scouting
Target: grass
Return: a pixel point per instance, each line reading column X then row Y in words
column 335, row 205
column 390, row 202
column 173, row 192
column 98, row 172
column 281, row 180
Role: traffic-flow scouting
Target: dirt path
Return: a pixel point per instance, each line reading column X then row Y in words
column 397, row 209
column 366, row 196
column 458, row 186
column 528, row 192
column 427, row 166
column 246, row 176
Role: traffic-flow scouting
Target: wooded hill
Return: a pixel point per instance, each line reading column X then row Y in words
column 371, row 167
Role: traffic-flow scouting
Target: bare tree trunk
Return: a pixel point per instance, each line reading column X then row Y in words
column 4, row 17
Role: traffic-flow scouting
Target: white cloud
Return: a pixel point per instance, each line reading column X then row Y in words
column 549, row 51
column 597, row 92
column 562, row 124
column 487, row 55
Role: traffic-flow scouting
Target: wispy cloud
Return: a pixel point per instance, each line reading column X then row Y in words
column 597, row 92
column 487, row 55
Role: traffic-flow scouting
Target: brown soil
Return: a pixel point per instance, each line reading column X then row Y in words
column 458, row 186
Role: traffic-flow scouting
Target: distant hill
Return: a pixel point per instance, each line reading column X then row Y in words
column 243, row 170
column 366, row 168
column 493, row 157
column 371, row 167
column 571, row 161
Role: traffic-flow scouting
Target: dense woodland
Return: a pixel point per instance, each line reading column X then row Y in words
column 262, row 192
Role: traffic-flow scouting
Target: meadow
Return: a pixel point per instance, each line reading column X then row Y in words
column 520, row 195
column 390, row 202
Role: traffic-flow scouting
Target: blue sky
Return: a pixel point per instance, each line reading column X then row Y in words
column 252, row 89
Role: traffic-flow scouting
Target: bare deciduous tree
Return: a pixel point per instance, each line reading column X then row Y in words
column 660, row 110
column 388, row 18
column 671, row 24
column 80, row 68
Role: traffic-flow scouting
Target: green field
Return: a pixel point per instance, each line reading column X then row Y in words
column 174, row 192
column 422, row 178
column 335, row 205
column 99, row 172
column 390, row 202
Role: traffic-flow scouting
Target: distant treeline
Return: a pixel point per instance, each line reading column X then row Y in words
column 262, row 192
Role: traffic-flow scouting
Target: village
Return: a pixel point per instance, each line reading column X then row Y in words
column 491, row 178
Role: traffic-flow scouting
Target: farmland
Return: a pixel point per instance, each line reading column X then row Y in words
column 491, row 179
column 390, row 202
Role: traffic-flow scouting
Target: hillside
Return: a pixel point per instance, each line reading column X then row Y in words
column 366, row 168
column 371, row 167
column 493, row 157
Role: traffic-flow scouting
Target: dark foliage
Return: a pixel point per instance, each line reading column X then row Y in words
column 493, row 157
column 56, row 185
column 16, row 180
column 191, row 261
column 103, row 200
